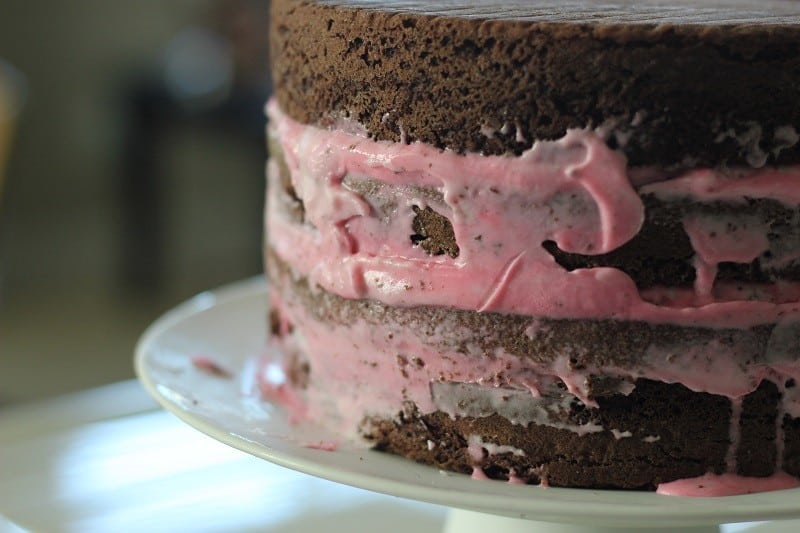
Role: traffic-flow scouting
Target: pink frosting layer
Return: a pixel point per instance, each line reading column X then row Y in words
column 574, row 191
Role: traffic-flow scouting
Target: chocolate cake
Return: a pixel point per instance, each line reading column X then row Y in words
column 543, row 242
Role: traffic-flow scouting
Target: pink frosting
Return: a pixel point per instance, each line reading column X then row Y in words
column 707, row 185
column 325, row 446
column 727, row 485
column 478, row 473
column 388, row 366
column 209, row 365
column 735, row 434
column 715, row 240
column 574, row 191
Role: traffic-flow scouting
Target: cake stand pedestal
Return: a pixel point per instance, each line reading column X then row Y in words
column 228, row 327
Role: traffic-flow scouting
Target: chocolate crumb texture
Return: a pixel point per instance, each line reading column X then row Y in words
column 689, row 88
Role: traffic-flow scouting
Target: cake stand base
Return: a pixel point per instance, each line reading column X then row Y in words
column 463, row 521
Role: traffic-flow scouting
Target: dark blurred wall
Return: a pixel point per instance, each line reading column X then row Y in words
column 65, row 227
column 63, row 164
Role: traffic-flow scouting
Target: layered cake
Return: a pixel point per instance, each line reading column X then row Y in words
column 546, row 242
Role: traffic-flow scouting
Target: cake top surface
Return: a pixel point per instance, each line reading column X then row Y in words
column 692, row 12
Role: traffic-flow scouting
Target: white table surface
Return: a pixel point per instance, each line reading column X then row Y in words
column 109, row 459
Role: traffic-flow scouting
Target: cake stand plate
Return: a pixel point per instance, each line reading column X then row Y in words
column 199, row 362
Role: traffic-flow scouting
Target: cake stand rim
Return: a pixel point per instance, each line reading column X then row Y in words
column 162, row 361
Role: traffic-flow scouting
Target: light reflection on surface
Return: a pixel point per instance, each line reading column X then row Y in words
column 204, row 300
column 108, row 455
column 175, row 396
column 150, row 471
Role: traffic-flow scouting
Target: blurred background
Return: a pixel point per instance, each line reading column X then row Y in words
column 131, row 168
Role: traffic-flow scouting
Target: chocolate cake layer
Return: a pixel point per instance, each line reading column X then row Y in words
column 673, row 86
column 676, row 434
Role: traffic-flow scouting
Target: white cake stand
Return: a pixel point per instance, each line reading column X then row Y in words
column 227, row 327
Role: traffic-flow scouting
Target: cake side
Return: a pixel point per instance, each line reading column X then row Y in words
column 366, row 332
column 448, row 389
column 402, row 302
column 555, row 246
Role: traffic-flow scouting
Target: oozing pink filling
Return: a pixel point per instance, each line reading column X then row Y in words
column 574, row 191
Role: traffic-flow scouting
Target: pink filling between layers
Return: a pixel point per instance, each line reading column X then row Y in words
column 574, row 191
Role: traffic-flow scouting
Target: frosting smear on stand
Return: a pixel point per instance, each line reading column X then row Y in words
column 712, row 485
